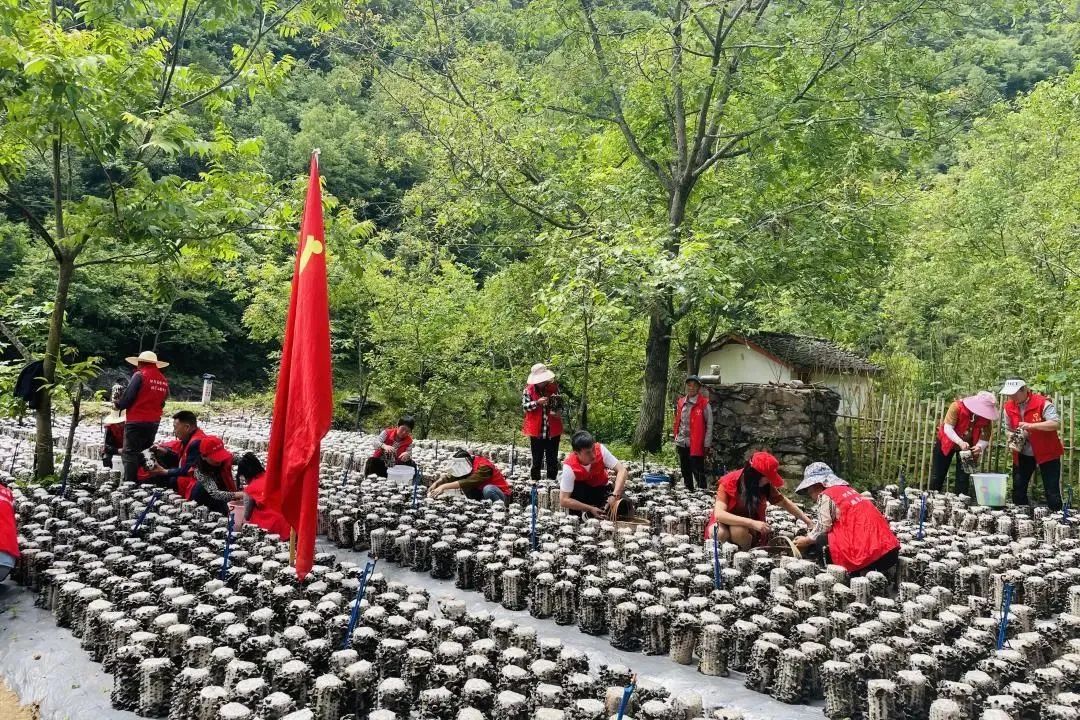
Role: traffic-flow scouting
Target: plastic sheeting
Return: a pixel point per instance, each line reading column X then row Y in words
column 44, row 664
column 715, row 691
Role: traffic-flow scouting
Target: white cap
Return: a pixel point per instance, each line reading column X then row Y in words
column 1012, row 386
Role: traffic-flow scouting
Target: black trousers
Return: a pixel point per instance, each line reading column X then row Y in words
column 939, row 471
column 377, row 466
column 597, row 497
column 199, row 495
column 545, row 452
column 137, row 437
column 693, row 468
column 1050, row 472
column 883, row 564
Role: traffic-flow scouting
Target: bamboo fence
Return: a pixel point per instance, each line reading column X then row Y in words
column 896, row 433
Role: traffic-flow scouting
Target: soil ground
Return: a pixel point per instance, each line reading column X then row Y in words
column 12, row 709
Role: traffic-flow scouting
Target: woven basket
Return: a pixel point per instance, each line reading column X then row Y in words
column 780, row 546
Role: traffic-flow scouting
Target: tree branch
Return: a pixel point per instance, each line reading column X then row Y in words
column 11, row 336
column 32, row 220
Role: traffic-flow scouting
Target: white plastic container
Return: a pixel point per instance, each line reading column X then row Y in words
column 990, row 488
column 401, row 474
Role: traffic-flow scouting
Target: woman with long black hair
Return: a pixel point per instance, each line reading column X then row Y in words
column 742, row 496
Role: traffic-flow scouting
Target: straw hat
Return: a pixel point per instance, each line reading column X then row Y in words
column 539, row 373
column 115, row 417
column 984, row 405
column 146, row 356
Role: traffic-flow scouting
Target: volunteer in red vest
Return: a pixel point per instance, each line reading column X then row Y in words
column 167, row 455
column 742, row 496
column 251, row 473
column 543, row 424
column 392, row 447
column 215, row 487
column 182, row 477
column 693, row 433
column 966, row 427
column 143, row 402
column 1037, row 417
column 856, row 534
column 583, row 484
column 9, row 534
column 476, row 476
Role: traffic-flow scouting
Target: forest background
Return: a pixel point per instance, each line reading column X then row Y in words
column 604, row 185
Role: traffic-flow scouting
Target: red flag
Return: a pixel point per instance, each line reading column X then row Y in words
column 303, row 403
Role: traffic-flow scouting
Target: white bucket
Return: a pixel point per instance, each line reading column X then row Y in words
column 990, row 488
column 401, row 474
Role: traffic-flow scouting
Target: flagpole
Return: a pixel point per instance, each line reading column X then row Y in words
column 292, row 547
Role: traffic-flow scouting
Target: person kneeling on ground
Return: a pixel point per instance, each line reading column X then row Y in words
column 9, row 534
column 252, row 473
column 392, row 448
column 857, row 535
column 215, row 487
column 583, row 484
column 474, row 475
column 741, row 499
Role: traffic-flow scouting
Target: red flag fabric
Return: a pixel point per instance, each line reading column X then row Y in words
column 303, row 403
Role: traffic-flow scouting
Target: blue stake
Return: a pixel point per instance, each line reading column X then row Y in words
column 533, row 497
column 1006, row 603
column 626, row 693
column 417, row 476
column 354, row 617
column 142, row 515
column 718, row 579
column 922, row 517
column 228, row 548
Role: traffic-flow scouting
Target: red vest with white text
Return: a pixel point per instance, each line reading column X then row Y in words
column 697, row 424
column 966, row 421
column 150, row 400
column 861, row 535
column 1044, row 443
column 595, row 475
column 534, row 419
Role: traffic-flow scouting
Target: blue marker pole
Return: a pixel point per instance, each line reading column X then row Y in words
column 922, row 518
column 534, row 498
column 228, row 549
column 1006, row 604
column 627, row 692
column 354, row 617
column 718, row 579
column 142, row 515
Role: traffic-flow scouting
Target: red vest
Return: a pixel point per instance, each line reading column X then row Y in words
column 9, row 536
column 966, row 421
column 534, row 419
column 497, row 478
column 1044, row 443
column 269, row 520
column 391, row 439
column 596, row 475
column 730, row 484
column 861, row 535
column 151, row 397
column 697, row 424
column 186, row 483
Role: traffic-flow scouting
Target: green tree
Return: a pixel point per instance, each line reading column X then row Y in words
column 99, row 108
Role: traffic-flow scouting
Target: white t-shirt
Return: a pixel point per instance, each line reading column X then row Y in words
column 566, row 480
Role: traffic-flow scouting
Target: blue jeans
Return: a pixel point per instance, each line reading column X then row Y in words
column 491, row 492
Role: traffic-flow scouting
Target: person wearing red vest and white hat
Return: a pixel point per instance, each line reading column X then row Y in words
column 693, row 433
column 474, row 475
column 966, row 427
column 543, row 424
column 143, row 402
column 857, row 535
column 742, row 495
column 1037, row 418
column 583, row 484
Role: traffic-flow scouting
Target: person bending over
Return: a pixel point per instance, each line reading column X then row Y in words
column 742, row 496
column 392, row 447
column 215, row 487
column 476, row 476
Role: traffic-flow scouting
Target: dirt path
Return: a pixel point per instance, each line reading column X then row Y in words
column 11, row 709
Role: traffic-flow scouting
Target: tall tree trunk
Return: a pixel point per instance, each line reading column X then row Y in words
column 43, row 450
column 650, row 428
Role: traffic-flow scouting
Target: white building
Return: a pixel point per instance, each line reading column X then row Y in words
column 769, row 357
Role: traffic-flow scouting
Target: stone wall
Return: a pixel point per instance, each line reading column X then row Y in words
column 796, row 423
